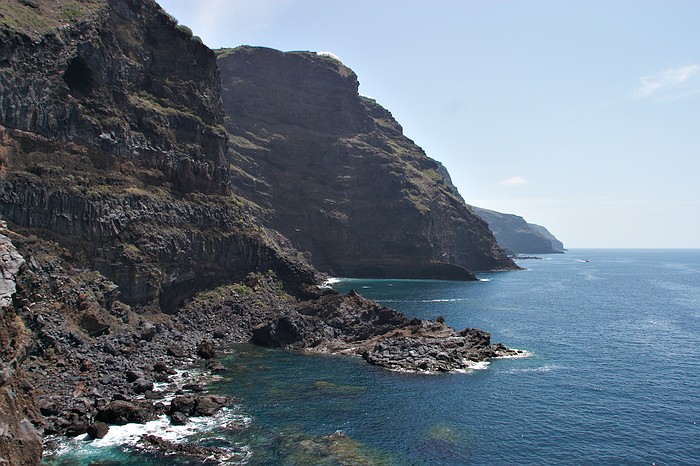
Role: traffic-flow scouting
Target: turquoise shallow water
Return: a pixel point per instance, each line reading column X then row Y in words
column 614, row 377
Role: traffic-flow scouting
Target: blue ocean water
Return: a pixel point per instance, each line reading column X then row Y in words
column 614, row 376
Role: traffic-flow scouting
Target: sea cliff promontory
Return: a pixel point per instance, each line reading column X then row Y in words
column 146, row 218
column 337, row 176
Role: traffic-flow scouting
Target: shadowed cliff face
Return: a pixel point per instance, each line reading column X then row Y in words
column 338, row 177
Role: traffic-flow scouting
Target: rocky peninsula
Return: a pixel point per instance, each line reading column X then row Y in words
column 146, row 215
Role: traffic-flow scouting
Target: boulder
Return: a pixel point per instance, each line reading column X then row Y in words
column 93, row 325
column 176, row 351
column 124, row 412
column 97, row 430
column 206, row 350
column 178, row 419
column 142, row 385
column 215, row 367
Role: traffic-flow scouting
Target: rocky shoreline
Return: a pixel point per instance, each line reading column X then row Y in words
column 103, row 363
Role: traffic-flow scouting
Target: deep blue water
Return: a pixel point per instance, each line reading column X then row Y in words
column 614, row 376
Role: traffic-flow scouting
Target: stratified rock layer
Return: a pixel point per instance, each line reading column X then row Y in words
column 337, row 175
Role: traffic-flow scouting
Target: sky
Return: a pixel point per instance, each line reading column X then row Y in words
column 581, row 116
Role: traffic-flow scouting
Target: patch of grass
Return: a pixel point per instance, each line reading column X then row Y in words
column 224, row 52
column 47, row 16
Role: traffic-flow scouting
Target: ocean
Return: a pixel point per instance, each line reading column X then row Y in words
column 613, row 377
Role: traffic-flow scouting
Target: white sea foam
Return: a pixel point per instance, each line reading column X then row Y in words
column 479, row 366
column 437, row 300
column 329, row 282
column 519, row 355
column 545, row 368
column 129, row 435
column 484, row 279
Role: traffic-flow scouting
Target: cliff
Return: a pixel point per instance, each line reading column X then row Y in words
column 336, row 175
column 114, row 183
column 133, row 240
column 516, row 235
column 116, row 147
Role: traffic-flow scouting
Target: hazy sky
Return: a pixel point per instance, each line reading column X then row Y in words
column 581, row 116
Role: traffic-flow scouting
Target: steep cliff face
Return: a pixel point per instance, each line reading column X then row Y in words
column 112, row 163
column 337, row 176
column 117, row 75
column 114, row 147
column 516, row 235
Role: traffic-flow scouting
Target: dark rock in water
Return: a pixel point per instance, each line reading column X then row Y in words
column 209, row 405
column 183, row 404
column 206, row 350
column 193, row 387
column 77, row 428
column 198, row 405
column 353, row 324
column 97, row 430
column 215, row 367
column 178, row 419
column 124, row 412
column 192, row 453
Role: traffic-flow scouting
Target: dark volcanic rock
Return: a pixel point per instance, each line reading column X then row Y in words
column 339, row 177
column 198, row 405
column 93, row 325
column 115, row 181
column 142, row 385
column 178, row 419
column 124, row 412
column 97, row 430
column 354, row 325
column 176, row 351
column 206, row 350
column 433, row 354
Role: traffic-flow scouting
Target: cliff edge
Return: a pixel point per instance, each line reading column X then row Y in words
column 337, row 176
